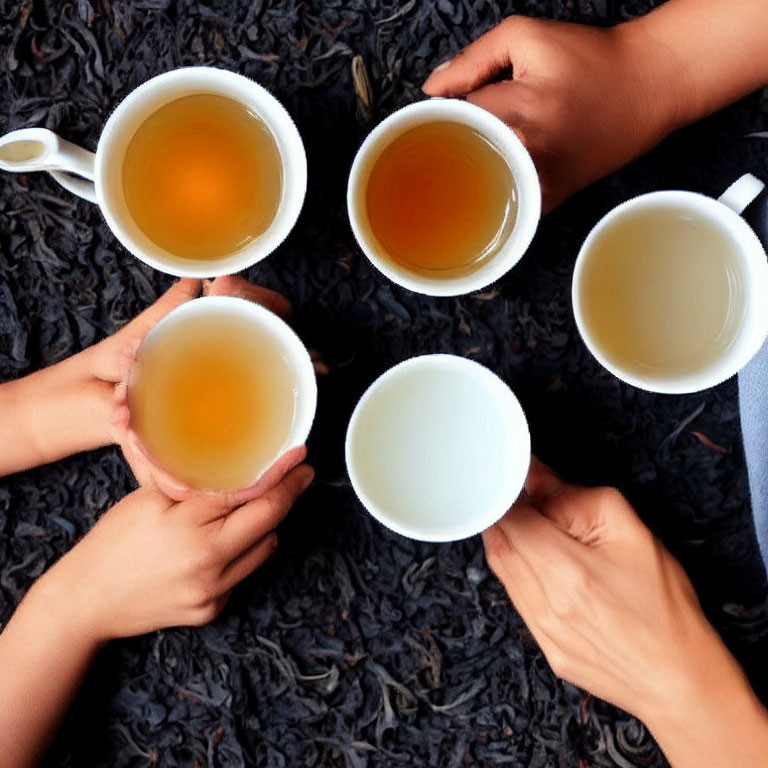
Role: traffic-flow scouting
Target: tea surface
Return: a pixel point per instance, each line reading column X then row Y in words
column 213, row 400
column 202, row 177
column 440, row 197
column 663, row 292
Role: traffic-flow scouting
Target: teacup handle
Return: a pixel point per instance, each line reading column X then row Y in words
column 38, row 149
column 742, row 192
column 748, row 196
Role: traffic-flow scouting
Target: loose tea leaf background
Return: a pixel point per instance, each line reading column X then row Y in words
column 355, row 647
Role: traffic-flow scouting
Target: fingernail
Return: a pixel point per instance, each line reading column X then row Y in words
column 442, row 66
column 308, row 478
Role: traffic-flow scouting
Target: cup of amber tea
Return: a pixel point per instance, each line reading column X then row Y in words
column 221, row 388
column 199, row 172
column 443, row 198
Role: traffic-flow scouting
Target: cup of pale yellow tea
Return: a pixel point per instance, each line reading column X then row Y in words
column 438, row 448
column 220, row 390
column 443, row 198
column 669, row 289
column 198, row 172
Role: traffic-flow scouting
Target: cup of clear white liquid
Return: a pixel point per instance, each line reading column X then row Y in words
column 438, row 448
column 670, row 289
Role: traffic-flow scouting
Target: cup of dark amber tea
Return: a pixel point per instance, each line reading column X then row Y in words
column 198, row 172
column 443, row 197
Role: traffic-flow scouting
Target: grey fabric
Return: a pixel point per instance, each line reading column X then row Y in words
column 753, row 405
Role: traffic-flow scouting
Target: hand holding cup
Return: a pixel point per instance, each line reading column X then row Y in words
column 114, row 358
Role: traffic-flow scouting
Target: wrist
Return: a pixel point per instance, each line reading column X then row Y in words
column 657, row 79
column 705, row 712
column 705, row 54
column 77, row 408
column 65, row 599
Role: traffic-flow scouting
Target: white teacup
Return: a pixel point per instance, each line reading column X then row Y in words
column 438, row 448
column 510, row 148
column 98, row 177
column 287, row 344
column 723, row 214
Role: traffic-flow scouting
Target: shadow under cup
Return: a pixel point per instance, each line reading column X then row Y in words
column 160, row 91
column 221, row 389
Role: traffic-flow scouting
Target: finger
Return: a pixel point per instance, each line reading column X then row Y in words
column 506, row 100
column 216, row 504
column 520, row 582
column 246, row 563
column 123, row 354
column 120, row 433
column 138, row 465
column 540, row 542
column 475, row 65
column 274, row 474
column 233, row 285
column 144, row 467
column 149, row 472
column 112, row 361
column 251, row 522
column 542, row 481
column 120, row 415
column 179, row 293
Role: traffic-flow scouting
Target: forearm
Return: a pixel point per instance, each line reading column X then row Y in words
column 711, row 52
column 710, row 715
column 52, row 413
column 44, row 656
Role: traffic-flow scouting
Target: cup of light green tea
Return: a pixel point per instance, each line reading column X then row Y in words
column 669, row 289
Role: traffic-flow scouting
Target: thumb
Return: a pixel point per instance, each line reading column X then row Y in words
column 179, row 293
column 476, row 64
column 542, row 481
column 113, row 357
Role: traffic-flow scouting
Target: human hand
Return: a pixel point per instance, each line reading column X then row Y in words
column 584, row 100
column 151, row 563
column 111, row 361
column 615, row 613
